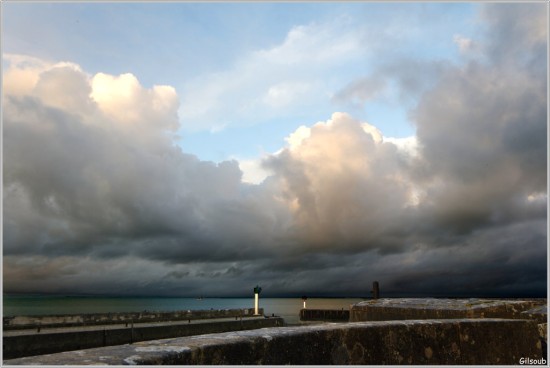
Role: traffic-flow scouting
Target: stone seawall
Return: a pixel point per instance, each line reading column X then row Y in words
column 427, row 308
column 457, row 342
column 71, row 320
column 329, row 315
column 22, row 345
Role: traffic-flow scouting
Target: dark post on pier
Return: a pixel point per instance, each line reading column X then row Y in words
column 375, row 290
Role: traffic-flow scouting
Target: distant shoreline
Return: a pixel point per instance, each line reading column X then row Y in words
column 267, row 296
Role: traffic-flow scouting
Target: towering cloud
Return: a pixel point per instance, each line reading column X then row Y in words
column 345, row 186
column 91, row 172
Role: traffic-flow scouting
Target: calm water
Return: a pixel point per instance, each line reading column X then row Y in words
column 288, row 308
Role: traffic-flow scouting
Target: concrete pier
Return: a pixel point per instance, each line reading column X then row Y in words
column 22, row 343
column 93, row 319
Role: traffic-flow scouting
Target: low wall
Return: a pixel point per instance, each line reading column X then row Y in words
column 47, row 343
column 426, row 308
column 332, row 315
column 71, row 320
column 457, row 342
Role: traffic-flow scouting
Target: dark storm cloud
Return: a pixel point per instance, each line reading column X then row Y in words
column 480, row 174
column 482, row 130
column 84, row 183
column 99, row 199
column 507, row 260
column 514, row 29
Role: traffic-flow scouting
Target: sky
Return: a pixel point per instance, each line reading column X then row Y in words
column 184, row 149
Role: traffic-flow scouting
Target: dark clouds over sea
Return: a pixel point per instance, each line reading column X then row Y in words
column 98, row 198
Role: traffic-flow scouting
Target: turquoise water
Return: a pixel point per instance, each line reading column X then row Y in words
column 288, row 308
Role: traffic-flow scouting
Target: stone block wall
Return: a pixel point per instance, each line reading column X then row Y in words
column 457, row 342
column 426, row 308
column 324, row 315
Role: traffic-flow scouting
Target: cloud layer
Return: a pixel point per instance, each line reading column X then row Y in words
column 98, row 198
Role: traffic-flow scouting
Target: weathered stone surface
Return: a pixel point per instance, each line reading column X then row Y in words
column 463, row 341
column 543, row 330
column 474, row 342
column 428, row 308
column 69, row 320
column 329, row 315
column 18, row 344
column 539, row 313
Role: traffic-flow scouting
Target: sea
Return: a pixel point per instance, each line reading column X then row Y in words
column 37, row 305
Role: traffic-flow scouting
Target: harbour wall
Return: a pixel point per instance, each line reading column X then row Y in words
column 72, row 320
column 451, row 341
column 329, row 315
column 46, row 343
column 402, row 309
column 429, row 308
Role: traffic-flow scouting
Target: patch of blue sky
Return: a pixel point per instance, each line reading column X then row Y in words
column 138, row 37
column 391, row 121
column 186, row 45
column 240, row 142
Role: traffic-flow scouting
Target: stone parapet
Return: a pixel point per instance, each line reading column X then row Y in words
column 329, row 315
column 428, row 308
column 452, row 341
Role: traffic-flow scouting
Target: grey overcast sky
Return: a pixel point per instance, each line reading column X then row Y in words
column 186, row 149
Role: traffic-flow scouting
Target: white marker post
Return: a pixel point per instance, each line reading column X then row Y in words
column 304, row 298
column 257, row 291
